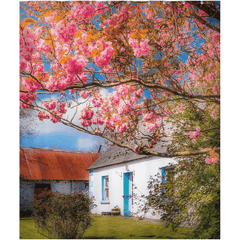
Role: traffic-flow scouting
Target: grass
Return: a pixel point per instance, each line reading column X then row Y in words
column 112, row 227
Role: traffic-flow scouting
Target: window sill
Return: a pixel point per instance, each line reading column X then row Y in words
column 105, row 202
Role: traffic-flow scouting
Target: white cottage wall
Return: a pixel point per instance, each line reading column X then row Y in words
column 142, row 170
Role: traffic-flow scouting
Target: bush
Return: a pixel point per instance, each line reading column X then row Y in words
column 25, row 212
column 63, row 216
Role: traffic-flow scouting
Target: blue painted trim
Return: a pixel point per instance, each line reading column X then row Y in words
column 102, row 188
column 163, row 174
column 90, row 173
column 90, row 183
column 126, row 194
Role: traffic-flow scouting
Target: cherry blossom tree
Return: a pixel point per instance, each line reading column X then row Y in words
column 160, row 62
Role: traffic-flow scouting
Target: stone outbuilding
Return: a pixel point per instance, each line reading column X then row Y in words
column 56, row 170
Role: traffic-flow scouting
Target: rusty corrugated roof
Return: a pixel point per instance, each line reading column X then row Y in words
column 49, row 164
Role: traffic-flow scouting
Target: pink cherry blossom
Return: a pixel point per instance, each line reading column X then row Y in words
column 105, row 56
column 61, row 108
column 85, row 94
column 42, row 115
column 198, row 129
column 139, row 49
column 211, row 160
column 152, row 126
column 82, row 11
column 66, row 32
column 75, row 65
column 50, row 105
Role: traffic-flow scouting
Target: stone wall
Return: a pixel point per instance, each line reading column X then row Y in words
column 27, row 189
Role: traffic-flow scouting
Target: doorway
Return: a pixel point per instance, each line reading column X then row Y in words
column 127, row 193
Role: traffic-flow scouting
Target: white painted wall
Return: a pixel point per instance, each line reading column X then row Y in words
column 142, row 170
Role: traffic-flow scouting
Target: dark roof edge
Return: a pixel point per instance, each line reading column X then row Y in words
column 50, row 180
column 88, row 169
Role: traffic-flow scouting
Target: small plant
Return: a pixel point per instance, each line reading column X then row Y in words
column 115, row 211
column 62, row 216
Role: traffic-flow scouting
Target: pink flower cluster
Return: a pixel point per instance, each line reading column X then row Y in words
column 54, row 118
column 28, row 98
column 86, row 117
column 96, row 101
column 61, row 108
column 151, row 126
column 23, row 65
column 50, row 105
column 97, row 120
column 30, row 86
column 66, row 32
column 139, row 49
column 54, row 84
column 149, row 116
column 42, row 115
column 195, row 134
column 105, row 56
column 120, row 128
column 82, row 11
column 75, row 65
column 42, row 46
column 85, row 94
column 100, row 8
column 211, row 160
column 27, row 43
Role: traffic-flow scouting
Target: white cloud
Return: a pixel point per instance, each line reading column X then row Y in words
column 47, row 127
column 85, row 143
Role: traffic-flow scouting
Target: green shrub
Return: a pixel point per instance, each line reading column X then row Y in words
column 63, row 216
column 25, row 211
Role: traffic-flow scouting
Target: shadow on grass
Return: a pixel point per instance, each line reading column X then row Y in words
column 93, row 237
column 147, row 236
column 27, row 218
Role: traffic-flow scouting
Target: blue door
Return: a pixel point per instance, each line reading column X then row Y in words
column 126, row 179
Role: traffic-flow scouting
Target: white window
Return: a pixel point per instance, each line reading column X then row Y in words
column 105, row 188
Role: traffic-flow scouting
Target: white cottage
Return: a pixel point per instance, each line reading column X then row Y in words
column 120, row 174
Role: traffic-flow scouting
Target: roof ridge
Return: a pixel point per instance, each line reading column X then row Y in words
column 59, row 150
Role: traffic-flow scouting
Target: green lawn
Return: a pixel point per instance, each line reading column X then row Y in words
column 111, row 227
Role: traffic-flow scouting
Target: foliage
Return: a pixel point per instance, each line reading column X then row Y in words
column 25, row 211
column 63, row 216
column 190, row 195
column 156, row 60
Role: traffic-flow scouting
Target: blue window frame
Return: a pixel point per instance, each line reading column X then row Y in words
column 105, row 188
column 163, row 174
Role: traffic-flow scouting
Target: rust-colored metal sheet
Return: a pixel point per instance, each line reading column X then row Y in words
column 49, row 164
column 24, row 169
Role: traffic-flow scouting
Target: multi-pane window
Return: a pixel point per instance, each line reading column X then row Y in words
column 105, row 188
